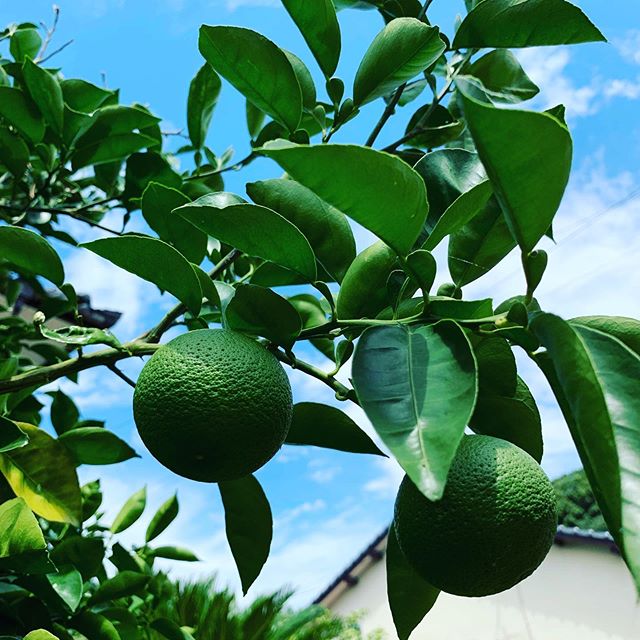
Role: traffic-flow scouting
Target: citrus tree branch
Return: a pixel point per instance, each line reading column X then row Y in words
column 43, row 375
column 232, row 167
column 156, row 333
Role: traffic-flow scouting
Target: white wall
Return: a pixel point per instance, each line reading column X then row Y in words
column 581, row 592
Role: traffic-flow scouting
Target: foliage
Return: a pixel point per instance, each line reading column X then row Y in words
column 577, row 506
column 487, row 178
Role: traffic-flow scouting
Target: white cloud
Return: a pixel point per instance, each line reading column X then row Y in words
column 623, row 89
column 322, row 472
column 629, row 46
column 387, row 480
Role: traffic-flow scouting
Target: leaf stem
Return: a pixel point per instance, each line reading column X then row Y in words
column 233, row 167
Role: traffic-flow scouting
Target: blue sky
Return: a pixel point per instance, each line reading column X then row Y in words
column 328, row 505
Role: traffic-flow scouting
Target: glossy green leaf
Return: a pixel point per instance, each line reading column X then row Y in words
column 91, row 499
column 162, row 518
column 94, row 626
column 64, row 414
column 125, row 622
column 123, row 560
column 43, row 474
column 529, row 186
column 319, row 26
column 502, row 77
column 115, row 119
column 595, row 379
column 524, row 23
column 11, row 436
column 461, row 211
column 627, row 330
column 480, row 244
column 131, row 511
column 46, row 93
column 320, row 425
column 144, row 168
column 444, row 307
column 68, row 586
column 85, row 554
column 326, row 228
column 80, row 336
column 155, row 261
column 125, row 583
column 256, row 231
column 20, row 112
column 497, row 372
column 158, row 203
column 83, row 96
column 410, row 596
column 361, row 182
column 109, row 149
column 249, row 526
column 402, row 50
column 14, row 153
column 432, row 127
column 40, row 634
column 422, row 268
column 257, row 68
column 305, row 80
column 174, row 553
column 203, row 96
column 22, row 544
column 262, row 312
column 170, row 629
column 95, row 445
column 25, row 43
column 363, row 292
column 30, row 252
column 255, row 119
column 418, row 386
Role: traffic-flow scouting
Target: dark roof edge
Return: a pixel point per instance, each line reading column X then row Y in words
column 564, row 535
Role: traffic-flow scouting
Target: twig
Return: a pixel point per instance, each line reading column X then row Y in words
column 43, row 375
column 58, row 50
column 233, row 167
column 49, row 34
column 121, row 375
column 156, row 333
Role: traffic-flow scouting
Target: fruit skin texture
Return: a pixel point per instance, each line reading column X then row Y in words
column 492, row 528
column 212, row 405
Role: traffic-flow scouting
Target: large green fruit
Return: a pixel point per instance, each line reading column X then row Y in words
column 492, row 528
column 213, row 405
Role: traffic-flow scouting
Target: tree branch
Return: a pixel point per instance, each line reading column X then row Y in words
column 233, row 167
column 43, row 375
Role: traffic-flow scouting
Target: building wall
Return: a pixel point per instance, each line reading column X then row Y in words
column 581, row 592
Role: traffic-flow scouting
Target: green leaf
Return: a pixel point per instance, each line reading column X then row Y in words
column 116, row 119
column 595, row 379
column 125, row 561
column 14, row 153
column 11, row 436
column 502, row 77
column 418, row 386
column 91, row 499
column 40, row 634
column 627, row 330
column 124, row 621
column 162, row 518
column 422, row 267
column 64, row 414
column 524, row 23
column 83, row 96
column 80, row 336
column 461, row 211
column 203, row 96
column 158, row 203
column 255, row 119
column 144, row 168
column 319, row 27
column 256, row 231
column 46, row 93
column 174, row 553
column 497, row 372
column 22, row 544
column 94, row 626
column 170, row 629
column 43, row 474
column 125, row 583
column 257, row 68
column 410, row 596
column 25, row 43
column 326, row 228
column 305, row 80
column 95, row 445
column 30, row 252
column 361, row 182
column 114, row 147
column 262, row 312
column 444, row 307
column 20, row 112
column 131, row 511
column 68, row 586
column 155, row 261
column 480, row 244
column 433, row 127
column 85, row 554
column 402, row 50
column 529, row 187
column 320, row 425
column 249, row 526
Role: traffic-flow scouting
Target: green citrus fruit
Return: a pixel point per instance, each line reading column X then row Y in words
column 212, row 405
column 492, row 528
